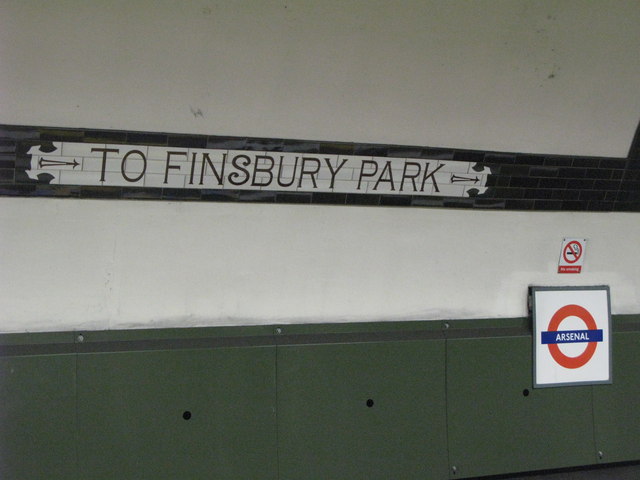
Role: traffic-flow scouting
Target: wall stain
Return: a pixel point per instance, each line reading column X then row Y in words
column 196, row 112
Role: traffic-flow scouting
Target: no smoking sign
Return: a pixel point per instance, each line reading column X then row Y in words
column 572, row 329
column 572, row 255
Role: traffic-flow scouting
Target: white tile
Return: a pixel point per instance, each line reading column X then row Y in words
column 452, row 166
column 121, row 150
column 79, row 178
column 173, row 181
column 115, row 179
column 346, row 186
column 160, row 153
column 286, row 158
column 448, row 190
column 80, row 149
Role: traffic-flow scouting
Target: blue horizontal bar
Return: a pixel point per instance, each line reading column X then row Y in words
column 572, row 336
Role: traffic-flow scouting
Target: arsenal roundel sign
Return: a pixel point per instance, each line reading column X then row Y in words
column 572, row 335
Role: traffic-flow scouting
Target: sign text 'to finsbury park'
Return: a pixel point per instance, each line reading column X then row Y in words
column 69, row 163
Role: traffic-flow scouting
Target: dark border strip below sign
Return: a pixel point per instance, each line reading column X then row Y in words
column 507, row 181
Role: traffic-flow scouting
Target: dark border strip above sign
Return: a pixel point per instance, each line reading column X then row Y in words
column 380, row 175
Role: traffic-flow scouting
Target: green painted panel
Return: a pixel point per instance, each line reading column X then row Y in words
column 37, row 417
column 617, row 406
column 132, row 408
column 494, row 428
column 326, row 429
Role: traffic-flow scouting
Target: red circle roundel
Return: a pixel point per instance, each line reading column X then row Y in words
column 562, row 359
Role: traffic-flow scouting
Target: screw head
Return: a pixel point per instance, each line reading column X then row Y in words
column 446, row 325
column 600, row 455
column 454, row 469
column 80, row 338
column 278, row 330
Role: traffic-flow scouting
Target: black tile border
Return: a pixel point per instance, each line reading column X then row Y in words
column 518, row 181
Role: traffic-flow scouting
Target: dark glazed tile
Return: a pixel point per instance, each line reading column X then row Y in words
column 55, row 135
column 544, row 172
column 489, row 203
column 566, row 194
column 264, row 144
column 330, row 198
column 523, row 182
column 226, row 143
column 371, row 149
column 187, row 141
column 100, row 192
column 632, row 175
column 592, row 195
column 337, row 148
column 7, row 146
column 571, row 172
column 627, row 207
column 597, row 206
column 574, row 205
column 219, row 195
column 514, row 170
column 300, row 146
column 558, row 161
column 468, row 156
column 548, row 205
column 612, row 163
column 362, row 199
column 500, row 192
column 7, row 175
column 17, row 190
column 145, row 138
column 586, row 162
column 256, row 196
column 19, row 133
column 142, row 193
column 606, row 184
column 538, row 193
column 519, row 204
column 293, row 197
column 105, row 136
column 601, row 174
column 552, row 183
column 437, row 154
column 629, row 193
column 458, row 203
column 533, row 160
column 580, row 184
column 181, row 194
column 396, row 151
column 58, row 191
column 417, row 201
column 395, row 200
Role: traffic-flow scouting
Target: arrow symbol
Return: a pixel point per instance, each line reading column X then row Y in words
column 456, row 178
column 44, row 162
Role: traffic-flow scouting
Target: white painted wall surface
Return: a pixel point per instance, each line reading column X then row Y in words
column 98, row 264
column 511, row 75
column 543, row 76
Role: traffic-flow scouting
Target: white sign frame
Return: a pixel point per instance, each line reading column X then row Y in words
column 579, row 306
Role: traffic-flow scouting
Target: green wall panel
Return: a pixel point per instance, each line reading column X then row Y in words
column 617, row 406
column 37, row 417
column 131, row 409
column 327, row 430
column 494, row 428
